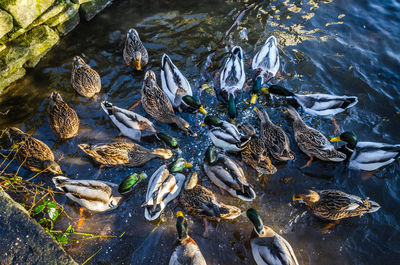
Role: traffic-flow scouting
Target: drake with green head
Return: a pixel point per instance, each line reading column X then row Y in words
column 227, row 175
column 187, row 251
column 232, row 79
column 367, row 156
column 163, row 187
column 177, row 87
column 225, row 135
column 265, row 65
column 268, row 247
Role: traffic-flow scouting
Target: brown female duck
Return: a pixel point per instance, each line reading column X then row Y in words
column 84, row 79
column 63, row 120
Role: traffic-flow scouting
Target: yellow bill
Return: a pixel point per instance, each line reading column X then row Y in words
column 335, row 139
column 179, row 214
column 265, row 90
column 138, row 65
column 202, row 110
column 253, row 98
column 188, row 165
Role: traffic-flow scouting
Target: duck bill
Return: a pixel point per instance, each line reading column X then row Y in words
column 188, row 165
column 138, row 65
column 297, row 198
column 253, row 98
column 202, row 110
column 335, row 139
column 265, row 90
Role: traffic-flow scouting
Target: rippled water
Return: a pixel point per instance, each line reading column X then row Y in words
column 338, row 47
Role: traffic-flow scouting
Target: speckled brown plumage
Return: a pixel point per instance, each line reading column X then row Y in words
column 123, row 153
column 32, row 153
column 63, row 120
column 84, row 79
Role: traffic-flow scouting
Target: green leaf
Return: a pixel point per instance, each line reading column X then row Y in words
column 51, row 204
column 69, row 230
column 39, row 208
column 62, row 239
column 53, row 213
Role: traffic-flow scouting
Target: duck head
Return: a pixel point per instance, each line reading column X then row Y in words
column 309, row 197
column 179, row 165
column 277, row 90
column 212, row 120
column 181, row 225
column 54, row 98
column 247, row 128
column 256, row 89
column 211, row 155
column 52, row 167
column 232, row 108
column 349, row 137
column 129, row 182
column 255, row 218
column 194, row 103
column 137, row 61
column 150, row 78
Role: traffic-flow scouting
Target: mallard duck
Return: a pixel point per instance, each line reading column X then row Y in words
column 225, row 135
column 268, row 247
column 84, row 79
column 312, row 142
column 135, row 54
column 63, row 120
column 177, row 87
column 157, row 104
column 163, row 187
column 201, row 202
column 32, row 153
column 187, row 251
column 135, row 126
column 367, row 156
column 274, row 138
column 315, row 104
column 265, row 65
column 232, row 79
column 254, row 154
column 96, row 195
column 123, row 153
column 335, row 204
column 227, row 175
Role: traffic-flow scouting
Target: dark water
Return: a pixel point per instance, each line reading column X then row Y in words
column 338, row 47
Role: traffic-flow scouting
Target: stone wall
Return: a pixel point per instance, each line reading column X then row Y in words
column 30, row 28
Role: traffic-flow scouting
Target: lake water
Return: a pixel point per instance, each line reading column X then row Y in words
column 337, row 47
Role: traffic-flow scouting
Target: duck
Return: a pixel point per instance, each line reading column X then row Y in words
column 312, row 142
column 201, row 202
column 267, row 246
column 265, row 65
column 367, row 156
column 315, row 104
column 63, row 120
column 96, row 195
column 177, row 87
column 227, row 175
column 156, row 103
column 135, row 54
column 255, row 154
column 334, row 205
column 32, row 153
column 225, row 135
column 273, row 137
column 163, row 187
column 123, row 153
column 231, row 79
column 135, row 126
column 187, row 251
column 84, row 79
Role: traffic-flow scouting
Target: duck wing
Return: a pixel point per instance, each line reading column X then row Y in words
column 266, row 61
column 233, row 76
column 370, row 156
column 325, row 104
column 173, row 82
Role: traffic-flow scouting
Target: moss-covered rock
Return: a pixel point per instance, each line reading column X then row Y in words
column 92, row 8
column 25, row 11
column 50, row 13
column 71, row 10
column 6, row 23
column 11, row 77
column 66, row 27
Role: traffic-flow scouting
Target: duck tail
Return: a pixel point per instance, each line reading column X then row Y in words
column 371, row 205
column 349, row 102
column 183, row 125
column 107, row 107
